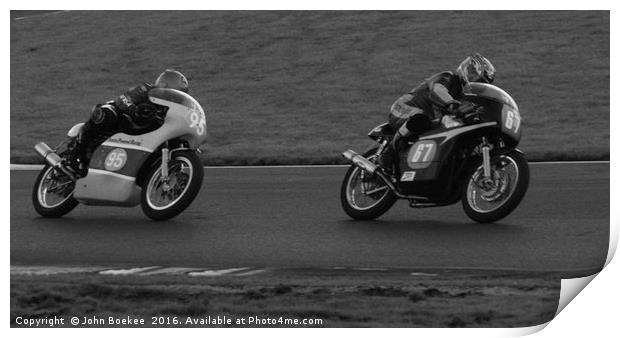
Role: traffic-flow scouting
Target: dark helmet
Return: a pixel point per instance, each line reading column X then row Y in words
column 476, row 68
column 171, row 78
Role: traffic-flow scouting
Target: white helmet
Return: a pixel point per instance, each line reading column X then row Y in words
column 171, row 78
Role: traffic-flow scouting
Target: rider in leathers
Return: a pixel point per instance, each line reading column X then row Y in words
column 415, row 112
column 130, row 113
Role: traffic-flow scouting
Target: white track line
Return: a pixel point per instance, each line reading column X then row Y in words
column 51, row 270
column 38, row 15
column 39, row 166
column 570, row 162
column 136, row 271
column 423, row 274
column 168, row 271
column 276, row 166
column 128, row 271
column 215, row 273
column 248, row 271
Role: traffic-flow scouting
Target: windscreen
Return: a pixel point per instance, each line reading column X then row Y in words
column 491, row 92
column 157, row 95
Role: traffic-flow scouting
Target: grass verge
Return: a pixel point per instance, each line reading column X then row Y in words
column 338, row 299
column 299, row 87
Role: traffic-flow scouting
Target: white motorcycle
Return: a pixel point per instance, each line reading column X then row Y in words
column 159, row 170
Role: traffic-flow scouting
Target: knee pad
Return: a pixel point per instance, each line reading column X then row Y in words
column 104, row 117
column 419, row 123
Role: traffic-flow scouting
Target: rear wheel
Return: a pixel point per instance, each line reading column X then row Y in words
column 52, row 194
column 165, row 198
column 364, row 196
column 489, row 200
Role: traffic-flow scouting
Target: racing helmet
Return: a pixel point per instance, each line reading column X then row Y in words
column 476, row 68
column 171, row 78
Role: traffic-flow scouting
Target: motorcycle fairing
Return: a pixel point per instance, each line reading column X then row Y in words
column 111, row 178
column 489, row 91
column 185, row 119
column 102, row 187
column 75, row 130
column 448, row 134
column 499, row 107
column 381, row 130
column 511, row 124
column 431, row 173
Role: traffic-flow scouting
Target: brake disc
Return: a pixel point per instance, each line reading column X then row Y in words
column 498, row 188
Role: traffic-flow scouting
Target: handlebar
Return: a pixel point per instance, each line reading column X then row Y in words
column 468, row 112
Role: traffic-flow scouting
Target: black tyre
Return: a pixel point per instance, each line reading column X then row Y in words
column 491, row 200
column 163, row 200
column 52, row 194
column 364, row 196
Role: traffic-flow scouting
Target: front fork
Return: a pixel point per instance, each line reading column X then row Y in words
column 165, row 158
column 486, row 162
column 486, row 158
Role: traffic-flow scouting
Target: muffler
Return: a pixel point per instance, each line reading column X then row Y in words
column 363, row 163
column 360, row 161
column 52, row 158
column 48, row 154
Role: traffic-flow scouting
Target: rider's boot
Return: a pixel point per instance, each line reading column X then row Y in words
column 102, row 123
column 88, row 139
column 387, row 158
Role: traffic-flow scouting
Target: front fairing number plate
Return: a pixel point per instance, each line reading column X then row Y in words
column 421, row 154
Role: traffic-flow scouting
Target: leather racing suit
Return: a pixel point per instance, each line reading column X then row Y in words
column 422, row 109
column 130, row 113
column 438, row 91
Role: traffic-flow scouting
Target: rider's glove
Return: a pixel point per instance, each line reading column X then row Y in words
column 452, row 107
column 146, row 113
column 465, row 109
column 448, row 122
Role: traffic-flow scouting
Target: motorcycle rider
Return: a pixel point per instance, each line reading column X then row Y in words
column 130, row 113
column 422, row 108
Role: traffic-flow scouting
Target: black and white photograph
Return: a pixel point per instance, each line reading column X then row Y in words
column 246, row 168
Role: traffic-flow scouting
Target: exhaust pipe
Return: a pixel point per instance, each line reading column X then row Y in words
column 48, row 154
column 52, row 158
column 360, row 161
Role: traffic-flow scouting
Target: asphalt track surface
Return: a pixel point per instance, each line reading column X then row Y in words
column 291, row 217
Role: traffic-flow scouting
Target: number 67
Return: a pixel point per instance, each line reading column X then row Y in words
column 512, row 119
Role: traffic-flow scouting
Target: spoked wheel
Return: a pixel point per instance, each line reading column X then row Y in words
column 165, row 198
column 487, row 200
column 52, row 194
column 365, row 196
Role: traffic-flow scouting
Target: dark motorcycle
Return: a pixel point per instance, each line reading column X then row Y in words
column 473, row 159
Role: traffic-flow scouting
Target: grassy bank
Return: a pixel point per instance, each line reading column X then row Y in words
column 300, row 87
column 354, row 299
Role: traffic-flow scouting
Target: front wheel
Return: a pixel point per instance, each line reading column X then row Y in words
column 52, row 194
column 164, row 198
column 364, row 196
column 487, row 200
